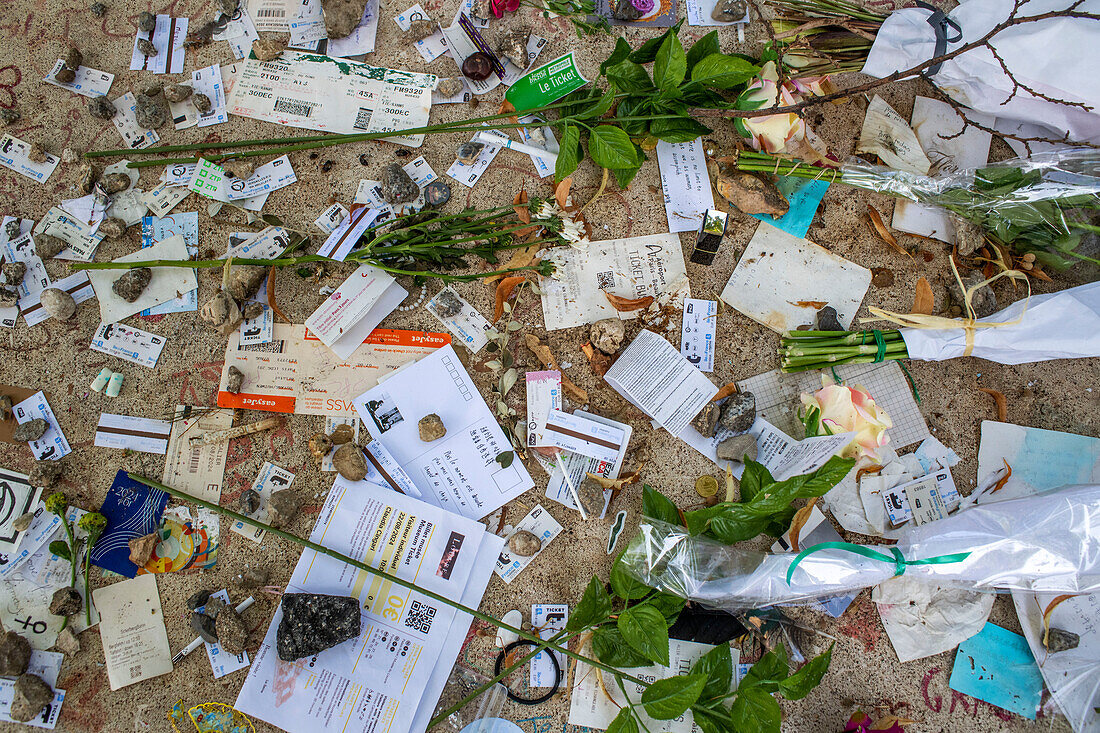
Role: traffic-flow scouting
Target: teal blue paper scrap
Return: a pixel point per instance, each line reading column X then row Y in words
column 996, row 666
column 804, row 196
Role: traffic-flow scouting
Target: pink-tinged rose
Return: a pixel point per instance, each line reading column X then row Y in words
column 500, row 7
column 642, row 6
column 852, row 410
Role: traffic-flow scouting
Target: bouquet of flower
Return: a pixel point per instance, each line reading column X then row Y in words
column 1063, row 325
column 1043, row 543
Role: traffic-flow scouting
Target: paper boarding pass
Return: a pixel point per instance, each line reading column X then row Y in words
column 77, row 285
column 296, row 373
column 539, row 523
column 351, row 303
column 132, row 433
column 196, row 469
column 129, row 343
column 697, row 332
column 125, row 121
column 461, row 319
column 52, row 445
column 271, row 478
column 349, row 226
column 268, row 177
column 578, row 434
column 15, row 155
column 923, row 500
column 543, row 395
column 88, row 82
column 383, row 468
column 549, row 619
column 331, row 218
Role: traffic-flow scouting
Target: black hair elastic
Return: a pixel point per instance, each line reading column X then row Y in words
column 525, row 700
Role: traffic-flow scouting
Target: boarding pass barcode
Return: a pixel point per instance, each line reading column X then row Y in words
column 362, row 120
column 294, row 107
column 271, row 13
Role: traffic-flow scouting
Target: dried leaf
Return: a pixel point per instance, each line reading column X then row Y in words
column 1003, row 480
column 1037, row 271
column 599, row 361
column 726, row 390
column 626, row 305
column 271, row 295
column 1001, row 402
column 561, row 191
column 867, row 471
column 884, row 233
column 1058, row 600
column 815, row 304
column 519, row 204
column 543, row 354
column 617, row 484
column 506, row 107
column 799, row 521
column 504, row 292
column 520, row 258
column 923, row 300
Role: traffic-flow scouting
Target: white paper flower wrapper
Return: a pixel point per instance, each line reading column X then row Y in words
column 1043, row 543
column 1063, row 325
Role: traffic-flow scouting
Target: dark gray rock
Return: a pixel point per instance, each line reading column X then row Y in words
column 15, row 654
column 13, row 272
column 827, row 319
column 101, row 108
column 9, row 116
column 729, row 11
column 738, row 412
column 31, row 695
column 233, row 380
column 13, row 228
column 177, row 92
column 98, row 10
column 30, row 430
column 147, row 22
column 706, row 422
column 249, row 503
column 252, row 310
column 146, row 47
column 1060, row 640
column 204, row 626
column 150, row 114
column 66, row 602
column 513, row 46
column 467, row 152
column 65, row 75
column 984, row 300
column 283, row 507
column 130, row 286
column 313, row 622
column 73, row 58
column 198, row 599
column 397, row 186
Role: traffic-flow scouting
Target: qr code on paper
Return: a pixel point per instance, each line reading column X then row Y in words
column 420, row 617
column 605, row 280
column 362, row 119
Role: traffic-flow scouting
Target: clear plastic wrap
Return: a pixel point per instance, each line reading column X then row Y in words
column 1043, row 204
column 1046, row 543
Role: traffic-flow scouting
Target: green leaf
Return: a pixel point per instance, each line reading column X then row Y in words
column 656, row 505
column 755, row 478
column 61, row 549
column 600, row 108
column 683, row 130
column 669, row 605
column 629, row 77
column 644, row 629
column 826, row 477
column 505, row 459
column 756, row 710
column 768, row 672
column 717, row 665
column 625, row 585
column 595, row 606
column 670, row 65
column 631, row 107
column 610, row 648
column 648, row 50
column 623, row 176
column 671, row 697
column 569, row 153
column 702, row 48
column 735, row 523
column 624, row 722
column 723, row 72
column 610, row 147
column 713, row 720
column 799, row 684
column 621, row 52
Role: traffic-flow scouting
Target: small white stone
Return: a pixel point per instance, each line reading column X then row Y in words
column 505, row 637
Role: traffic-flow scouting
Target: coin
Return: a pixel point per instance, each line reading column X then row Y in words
column 706, row 486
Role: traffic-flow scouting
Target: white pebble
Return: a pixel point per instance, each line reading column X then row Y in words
column 505, row 637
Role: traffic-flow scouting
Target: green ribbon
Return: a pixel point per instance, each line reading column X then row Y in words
column 880, row 344
column 895, row 557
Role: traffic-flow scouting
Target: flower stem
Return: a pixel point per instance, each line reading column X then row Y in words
column 321, row 549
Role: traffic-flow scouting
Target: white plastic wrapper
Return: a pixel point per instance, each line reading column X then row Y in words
column 1064, row 70
column 1064, row 325
column 1046, row 543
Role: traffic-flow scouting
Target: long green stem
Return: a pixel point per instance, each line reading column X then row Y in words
column 321, row 549
column 485, row 687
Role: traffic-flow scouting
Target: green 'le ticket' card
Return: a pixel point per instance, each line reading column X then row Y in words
column 546, row 84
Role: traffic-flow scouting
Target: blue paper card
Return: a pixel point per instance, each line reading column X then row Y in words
column 996, row 666
column 132, row 510
column 804, row 196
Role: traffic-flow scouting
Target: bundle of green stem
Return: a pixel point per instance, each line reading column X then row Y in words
column 1042, row 205
column 426, row 244
column 824, row 36
column 801, row 351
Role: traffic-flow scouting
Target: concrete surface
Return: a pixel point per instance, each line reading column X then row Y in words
column 53, row 356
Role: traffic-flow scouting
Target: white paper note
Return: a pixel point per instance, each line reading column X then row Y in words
column 135, row 643
column 686, row 184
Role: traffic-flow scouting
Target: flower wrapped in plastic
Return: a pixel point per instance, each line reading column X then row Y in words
column 1045, row 543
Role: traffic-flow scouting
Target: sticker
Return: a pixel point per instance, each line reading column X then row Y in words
column 616, row 530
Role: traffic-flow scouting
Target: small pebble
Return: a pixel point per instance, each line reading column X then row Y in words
column 450, row 87
column 131, row 285
column 319, row 446
column 202, row 103
column 38, row 154
column 58, row 304
column 23, row 522
column 467, row 152
column 267, row 49
column 98, row 10
column 283, row 507
column 364, row 159
column 176, row 92
column 150, row 115
column 101, row 108
column 252, row 310
column 342, row 434
column 73, row 58
column 231, row 631
column 47, row 247
column 249, row 502
column 66, row 602
column 349, row 462
column 242, row 168
column 524, row 543
column 113, row 183
column 326, row 166
column 147, row 22
column 141, row 549
column 152, row 88
column 65, row 75
column 234, row 380
column 607, row 335
column 13, row 272
column 9, row 116
column 420, row 29
column 204, row 626
column 31, row 430
column 827, row 320
column 146, row 48
column 198, row 600
column 431, row 428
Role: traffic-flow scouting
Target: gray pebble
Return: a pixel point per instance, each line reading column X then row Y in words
column 738, row 412
column 147, row 22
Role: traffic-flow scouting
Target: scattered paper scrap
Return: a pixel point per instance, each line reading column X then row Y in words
column 135, row 642
column 996, row 666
